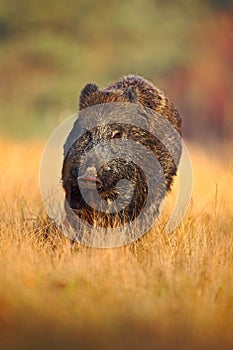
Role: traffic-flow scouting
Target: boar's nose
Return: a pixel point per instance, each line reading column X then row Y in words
column 89, row 180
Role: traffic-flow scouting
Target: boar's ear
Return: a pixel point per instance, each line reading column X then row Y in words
column 131, row 94
column 88, row 89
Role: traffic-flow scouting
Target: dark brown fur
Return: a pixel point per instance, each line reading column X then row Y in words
column 129, row 89
column 147, row 94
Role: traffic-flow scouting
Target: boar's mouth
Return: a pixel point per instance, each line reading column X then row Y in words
column 101, row 185
column 89, row 182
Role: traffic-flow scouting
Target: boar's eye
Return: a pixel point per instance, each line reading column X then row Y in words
column 88, row 136
column 116, row 134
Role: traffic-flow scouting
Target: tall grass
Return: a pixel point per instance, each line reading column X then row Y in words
column 163, row 291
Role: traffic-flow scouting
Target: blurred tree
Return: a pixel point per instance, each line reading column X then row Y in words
column 50, row 49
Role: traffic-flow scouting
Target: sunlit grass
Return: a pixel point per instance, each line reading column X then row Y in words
column 164, row 291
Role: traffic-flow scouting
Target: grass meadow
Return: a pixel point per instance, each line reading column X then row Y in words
column 164, row 291
column 161, row 292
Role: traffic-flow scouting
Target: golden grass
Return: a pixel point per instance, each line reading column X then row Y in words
column 164, row 291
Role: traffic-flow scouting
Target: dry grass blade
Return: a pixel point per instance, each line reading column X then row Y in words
column 163, row 291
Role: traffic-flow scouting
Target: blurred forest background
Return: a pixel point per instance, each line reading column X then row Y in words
column 50, row 49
